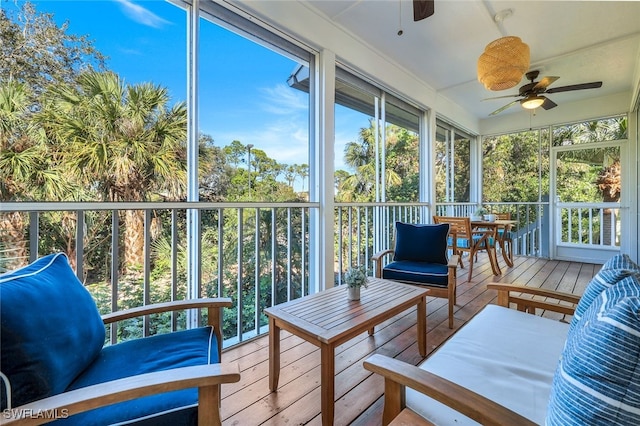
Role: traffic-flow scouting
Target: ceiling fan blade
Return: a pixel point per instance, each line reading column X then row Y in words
column 544, row 83
column 548, row 103
column 501, row 97
column 422, row 9
column 499, row 110
column 593, row 85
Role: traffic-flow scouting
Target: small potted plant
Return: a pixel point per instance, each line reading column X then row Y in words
column 355, row 278
column 484, row 213
column 478, row 215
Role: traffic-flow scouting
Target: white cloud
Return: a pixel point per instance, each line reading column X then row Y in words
column 283, row 100
column 141, row 15
column 283, row 140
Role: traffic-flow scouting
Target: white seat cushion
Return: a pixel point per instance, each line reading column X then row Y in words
column 508, row 356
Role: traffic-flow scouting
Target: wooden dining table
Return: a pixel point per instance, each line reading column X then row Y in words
column 496, row 226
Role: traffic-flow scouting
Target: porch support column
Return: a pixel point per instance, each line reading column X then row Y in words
column 427, row 154
column 632, row 245
column 193, row 215
column 322, row 227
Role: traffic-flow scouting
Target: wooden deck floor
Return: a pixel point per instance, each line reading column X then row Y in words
column 358, row 392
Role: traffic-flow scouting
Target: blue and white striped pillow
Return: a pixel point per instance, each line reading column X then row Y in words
column 616, row 268
column 597, row 381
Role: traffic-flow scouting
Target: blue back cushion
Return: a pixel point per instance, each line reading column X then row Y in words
column 614, row 270
column 597, row 381
column 51, row 329
column 421, row 243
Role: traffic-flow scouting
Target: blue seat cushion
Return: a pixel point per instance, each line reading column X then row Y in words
column 463, row 243
column 597, row 381
column 156, row 353
column 421, row 243
column 51, row 329
column 505, row 235
column 416, row 272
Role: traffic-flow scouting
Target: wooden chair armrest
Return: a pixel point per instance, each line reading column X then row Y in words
column 398, row 375
column 453, row 261
column 505, row 298
column 377, row 260
column 205, row 377
column 177, row 305
column 376, row 257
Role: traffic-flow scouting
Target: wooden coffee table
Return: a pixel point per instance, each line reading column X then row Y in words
column 327, row 319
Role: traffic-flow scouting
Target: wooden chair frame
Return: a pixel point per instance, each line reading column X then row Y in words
column 207, row 378
column 398, row 375
column 448, row 292
column 460, row 228
column 504, row 240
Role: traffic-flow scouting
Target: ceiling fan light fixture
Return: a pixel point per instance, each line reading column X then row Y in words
column 503, row 63
column 532, row 102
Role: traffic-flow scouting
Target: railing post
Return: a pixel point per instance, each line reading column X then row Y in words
column 34, row 235
column 115, row 272
column 544, row 230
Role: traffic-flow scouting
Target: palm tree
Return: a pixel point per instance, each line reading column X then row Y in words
column 27, row 168
column 360, row 156
column 123, row 141
column 303, row 172
column 290, row 175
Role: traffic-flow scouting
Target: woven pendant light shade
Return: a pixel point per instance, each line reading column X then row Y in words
column 503, row 63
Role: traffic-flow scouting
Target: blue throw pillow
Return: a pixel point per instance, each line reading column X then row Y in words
column 616, row 268
column 421, row 243
column 597, row 381
column 51, row 329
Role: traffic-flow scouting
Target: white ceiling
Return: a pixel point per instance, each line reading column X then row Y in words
column 579, row 41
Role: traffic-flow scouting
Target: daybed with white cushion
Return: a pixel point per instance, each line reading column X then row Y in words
column 508, row 367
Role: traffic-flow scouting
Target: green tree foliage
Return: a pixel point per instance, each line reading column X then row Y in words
column 516, row 168
column 512, row 168
column 453, row 166
column 590, row 131
column 215, row 170
column 401, row 171
column 71, row 130
column 123, row 141
column 37, row 52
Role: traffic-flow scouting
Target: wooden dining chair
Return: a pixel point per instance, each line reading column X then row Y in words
column 504, row 238
column 463, row 238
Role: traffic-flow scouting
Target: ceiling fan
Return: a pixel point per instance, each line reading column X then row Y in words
column 531, row 93
column 422, row 9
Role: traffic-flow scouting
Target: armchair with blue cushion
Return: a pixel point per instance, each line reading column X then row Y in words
column 420, row 258
column 54, row 365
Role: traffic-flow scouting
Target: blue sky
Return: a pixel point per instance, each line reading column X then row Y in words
column 243, row 91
